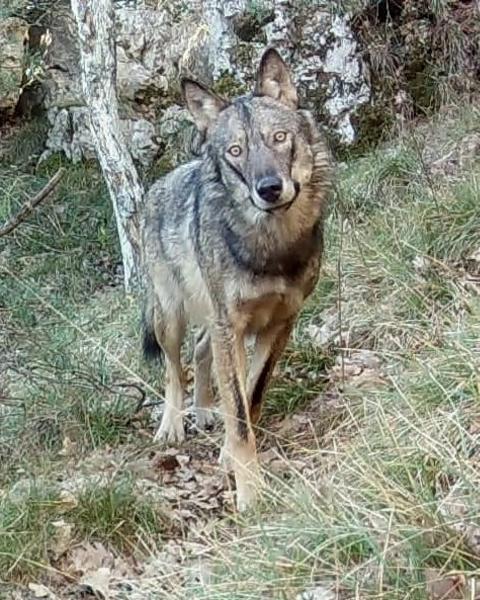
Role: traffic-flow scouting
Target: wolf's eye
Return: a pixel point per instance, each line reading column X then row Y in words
column 235, row 150
column 280, row 136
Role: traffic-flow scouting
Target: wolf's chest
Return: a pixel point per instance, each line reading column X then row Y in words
column 255, row 306
column 269, row 310
column 252, row 306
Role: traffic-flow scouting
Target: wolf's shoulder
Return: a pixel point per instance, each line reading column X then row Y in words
column 178, row 182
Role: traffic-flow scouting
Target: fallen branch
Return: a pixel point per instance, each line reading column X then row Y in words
column 30, row 204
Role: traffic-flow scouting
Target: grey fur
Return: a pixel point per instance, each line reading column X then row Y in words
column 236, row 258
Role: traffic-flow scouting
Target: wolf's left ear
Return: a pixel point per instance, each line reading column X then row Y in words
column 203, row 104
column 274, row 80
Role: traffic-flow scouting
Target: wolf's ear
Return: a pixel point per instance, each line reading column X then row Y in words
column 274, row 80
column 203, row 104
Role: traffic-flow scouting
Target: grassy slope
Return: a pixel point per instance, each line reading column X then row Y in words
column 386, row 485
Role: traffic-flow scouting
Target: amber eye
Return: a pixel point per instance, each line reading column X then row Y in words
column 280, row 136
column 235, row 150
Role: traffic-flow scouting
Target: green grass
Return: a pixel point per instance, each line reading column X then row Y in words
column 374, row 506
column 109, row 512
column 302, row 378
column 24, row 533
column 62, row 384
column 114, row 514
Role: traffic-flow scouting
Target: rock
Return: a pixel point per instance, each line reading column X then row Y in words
column 317, row 593
column 215, row 41
column 320, row 46
column 70, row 134
column 41, row 591
column 147, row 63
column 327, row 61
column 141, row 140
column 13, row 35
column 176, row 133
column 62, row 84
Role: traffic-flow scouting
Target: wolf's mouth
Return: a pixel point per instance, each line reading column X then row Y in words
column 279, row 207
column 285, row 206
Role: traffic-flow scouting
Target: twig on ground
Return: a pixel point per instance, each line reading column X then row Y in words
column 30, row 204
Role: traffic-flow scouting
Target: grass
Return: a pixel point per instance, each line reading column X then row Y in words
column 24, row 532
column 380, row 494
column 109, row 512
column 372, row 526
column 60, row 397
column 114, row 514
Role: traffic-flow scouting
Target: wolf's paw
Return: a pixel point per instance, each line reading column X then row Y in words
column 248, row 489
column 204, row 418
column 225, row 460
column 171, row 431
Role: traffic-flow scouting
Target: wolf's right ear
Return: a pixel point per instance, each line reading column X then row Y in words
column 203, row 104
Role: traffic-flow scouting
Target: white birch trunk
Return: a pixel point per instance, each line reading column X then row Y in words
column 96, row 29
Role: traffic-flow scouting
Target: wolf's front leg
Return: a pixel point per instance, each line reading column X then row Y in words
column 239, row 450
column 269, row 346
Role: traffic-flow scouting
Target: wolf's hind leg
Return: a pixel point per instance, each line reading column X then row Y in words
column 169, row 330
column 203, row 393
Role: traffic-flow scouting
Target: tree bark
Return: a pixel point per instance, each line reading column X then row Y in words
column 96, row 30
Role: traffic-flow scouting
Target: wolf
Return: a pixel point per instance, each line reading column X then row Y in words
column 232, row 243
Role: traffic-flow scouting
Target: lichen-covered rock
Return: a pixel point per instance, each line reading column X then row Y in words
column 219, row 42
column 176, row 132
column 141, row 140
column 340, row 78
column 62, row 84
column 318, row 43
column 13, row 35
column 70, row 134
column 147, row 67
column 152, row 46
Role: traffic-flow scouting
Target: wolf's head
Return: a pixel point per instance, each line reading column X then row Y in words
column 262, row 143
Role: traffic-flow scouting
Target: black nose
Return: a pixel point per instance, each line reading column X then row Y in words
column 269, row 188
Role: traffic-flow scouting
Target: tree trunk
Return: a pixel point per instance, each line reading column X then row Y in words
column 96, row 29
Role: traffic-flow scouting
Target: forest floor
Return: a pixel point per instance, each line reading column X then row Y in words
column 370, row 439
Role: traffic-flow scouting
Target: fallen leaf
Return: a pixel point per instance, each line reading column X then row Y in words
column 90, row 557
column 267, row 455
column 183, row 459
column 318, row 593
column 67, row 500
column 62, row 538
column 165, row 462
column 68, row 447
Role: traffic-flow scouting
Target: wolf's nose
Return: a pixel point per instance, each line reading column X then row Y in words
column 269, row 188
